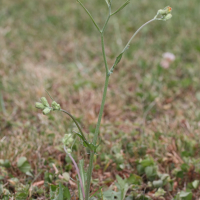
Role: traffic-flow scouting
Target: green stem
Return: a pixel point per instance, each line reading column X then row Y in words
column 104, row 54
column 136, row 34
column 127, row 45
column 90, row 168
column 89, row 16
column 79, row 128
column 89, row 174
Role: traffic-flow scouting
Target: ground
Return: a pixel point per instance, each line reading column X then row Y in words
column 151, row 120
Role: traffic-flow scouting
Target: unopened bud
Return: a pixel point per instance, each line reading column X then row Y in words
column 55, row 105
column 46, row 111
column 165, row 11
column 69, row 151
column 44, row 102
column 167, row 17
column 67, row 139
column 39, row 105
column 66, row 176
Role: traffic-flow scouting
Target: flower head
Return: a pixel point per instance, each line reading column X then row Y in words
column 164, row 13
column 55, row 105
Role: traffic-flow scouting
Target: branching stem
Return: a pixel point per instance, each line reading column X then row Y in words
column 79, row 128
column 90, row 168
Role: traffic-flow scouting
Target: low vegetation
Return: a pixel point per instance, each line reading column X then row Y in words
column 150, row 127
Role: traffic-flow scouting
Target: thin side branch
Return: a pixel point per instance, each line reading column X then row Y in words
column 89, row 16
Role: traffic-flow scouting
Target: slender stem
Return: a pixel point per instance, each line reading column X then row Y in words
column 90, row 16
column 106, row 20
column 127, row 45
column 90, row 168
column 104, row 54
column 79, row 128
column 136, row 34
column 101, row 110
column 89, row 174
column 78, row 172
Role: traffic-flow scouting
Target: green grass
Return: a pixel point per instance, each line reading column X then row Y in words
column 150, row 111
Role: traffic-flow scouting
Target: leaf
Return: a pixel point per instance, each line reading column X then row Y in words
column 120, row 181
column 159, row 192
column 6, row 164
column 147, row 162
column 83, row 178
column 150, row 172
column 1, row 189
column 52, row 192
column 195, row 184
column 123, row 186
column 118, row 59
column 185, row 195
column 158, row 183
column 134, row 179
column 25, row 167
column 60, row 196
column 22, row 195
column 29, row 174
column 21, row 161
column 66, row 193
column 111, row 195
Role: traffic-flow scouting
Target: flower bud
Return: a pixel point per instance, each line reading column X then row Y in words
column 167, row 17
column 39, row 105
column 67, row 139
column 46, row 111
column 44, row 102
column 70, row 140
column 165, row 11
column 69, row 151
column 55, row 105
column 66, row 176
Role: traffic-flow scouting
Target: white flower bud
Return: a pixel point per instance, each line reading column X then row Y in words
column 39, row 105
column 55, row 105
column 69, row 151
column 46, row 111
column 167, row 17
column 44, row 101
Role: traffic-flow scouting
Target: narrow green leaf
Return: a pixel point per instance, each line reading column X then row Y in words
column 83, row 177
column 118, row 59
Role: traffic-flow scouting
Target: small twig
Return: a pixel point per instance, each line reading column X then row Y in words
column 55, row 168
